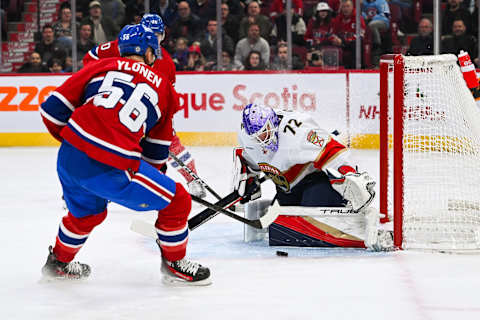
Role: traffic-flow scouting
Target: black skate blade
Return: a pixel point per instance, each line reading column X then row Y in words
column 172, row 281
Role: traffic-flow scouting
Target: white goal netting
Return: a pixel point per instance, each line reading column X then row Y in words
column 441, row 156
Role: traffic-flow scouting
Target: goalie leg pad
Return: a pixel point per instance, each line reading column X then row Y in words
column 375, row 238
column 255, row 210
column 308, row 232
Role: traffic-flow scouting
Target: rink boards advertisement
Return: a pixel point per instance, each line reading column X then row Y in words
column 211, row 104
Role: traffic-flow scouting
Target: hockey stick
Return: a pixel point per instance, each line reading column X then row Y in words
column 313, row 211
column 194, row 175
column 208, row 214
column 261, row 223
column 147, row 229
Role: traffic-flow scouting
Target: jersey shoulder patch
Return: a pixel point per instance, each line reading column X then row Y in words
column 316, row 138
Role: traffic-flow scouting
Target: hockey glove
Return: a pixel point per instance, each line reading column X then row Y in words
column 245, row 180
column 197, row 189
column 356, row 188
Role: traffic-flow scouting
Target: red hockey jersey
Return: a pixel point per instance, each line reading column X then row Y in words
column 345, row 28
column 163, row 64
column 117, row 111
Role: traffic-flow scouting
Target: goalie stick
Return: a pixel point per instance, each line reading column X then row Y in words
column 313, row 211
column 194, row 175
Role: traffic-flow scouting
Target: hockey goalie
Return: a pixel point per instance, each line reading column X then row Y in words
column 310, row 168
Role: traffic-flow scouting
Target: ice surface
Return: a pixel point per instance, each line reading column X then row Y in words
column 249, row 280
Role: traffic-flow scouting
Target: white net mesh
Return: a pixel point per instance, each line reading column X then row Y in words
column 441, row 157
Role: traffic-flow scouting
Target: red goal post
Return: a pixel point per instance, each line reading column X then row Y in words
column 429, row 154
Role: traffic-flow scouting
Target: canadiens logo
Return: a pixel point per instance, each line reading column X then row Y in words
column 275, row 175
column 313, row 137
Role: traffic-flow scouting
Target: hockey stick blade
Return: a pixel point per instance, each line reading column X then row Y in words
column 144, row 228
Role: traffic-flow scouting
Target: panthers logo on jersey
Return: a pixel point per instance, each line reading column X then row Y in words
column 275, row 175
column 314, row 138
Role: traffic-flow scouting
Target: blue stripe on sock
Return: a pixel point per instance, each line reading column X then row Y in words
column 68, row 240
column 177, row 238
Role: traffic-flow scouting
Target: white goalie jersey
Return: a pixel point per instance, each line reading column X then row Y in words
column 303, row 147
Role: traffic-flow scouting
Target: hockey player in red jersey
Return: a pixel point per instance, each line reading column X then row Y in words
column 163, row 64
column 114, row 119
column 309, row 168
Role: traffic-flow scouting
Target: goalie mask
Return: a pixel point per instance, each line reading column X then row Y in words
column 261, row 123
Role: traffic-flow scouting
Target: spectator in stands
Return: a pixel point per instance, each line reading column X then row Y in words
column 103, row 28
column 460, row 40
column 280, row 61
column 3, row 18
column 55, row 65
column 208, row 44
column 82, row 9
column 227, row 64
column 254, row 61
column 253, row 41
column 84, row 42
column 230, row 23
column 195, row 60
column 298, row 26
column 254, row 17
column 62, row 29
column 180, row 56
column 134, row 11
column 187, row 24
column 68, row 65
column 335, row 6
column 314, row 60
column 423, row 43
column 115, row 10
column 236, row 8
column 454, row 11
column 34, row 64
column 204, row 9
column 377, row 17
column 320, row 28
column 344, row 28
column 49, row 47
column 278, row 7
column 166, row 9
column 401, row 13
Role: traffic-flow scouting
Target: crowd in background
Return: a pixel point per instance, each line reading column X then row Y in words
column 254, row 32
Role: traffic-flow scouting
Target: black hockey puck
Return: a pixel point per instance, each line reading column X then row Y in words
column 282, row 253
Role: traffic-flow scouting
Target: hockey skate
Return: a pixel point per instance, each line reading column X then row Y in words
column 54, row 269
column 197, row 189
column 184, row 273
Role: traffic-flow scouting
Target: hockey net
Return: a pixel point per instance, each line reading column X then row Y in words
column 429, row 153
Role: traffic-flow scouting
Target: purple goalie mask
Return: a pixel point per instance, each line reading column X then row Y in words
column 261, row 123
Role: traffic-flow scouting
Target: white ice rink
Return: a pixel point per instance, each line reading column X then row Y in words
column 249, row 280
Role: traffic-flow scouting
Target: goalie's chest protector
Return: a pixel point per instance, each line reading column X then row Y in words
column 300, row 143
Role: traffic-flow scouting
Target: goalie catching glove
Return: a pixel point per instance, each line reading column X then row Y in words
column 356, row 188
column 245, row 179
